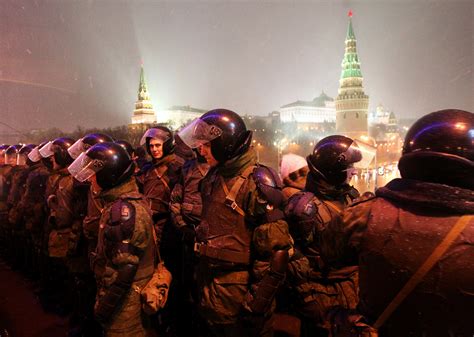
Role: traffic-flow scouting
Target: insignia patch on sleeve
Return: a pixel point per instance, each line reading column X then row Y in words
column 309, row 209
column 125, row 212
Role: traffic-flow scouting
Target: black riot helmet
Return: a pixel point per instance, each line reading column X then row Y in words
column 87, row 142
column 11, row 154
column 3, row 148
column 127, row 146
column 59, row 149
column 439, row 148
column 332, row 156
column 224, row 129
column 109, row 162
column 162, row 133
column 22, row 158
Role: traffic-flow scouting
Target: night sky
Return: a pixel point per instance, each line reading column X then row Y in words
column 66, row 63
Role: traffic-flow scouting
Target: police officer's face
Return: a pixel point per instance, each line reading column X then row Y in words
column 351, row 171
column 11, row 160
column 156, row 148
column 205, row 151
column 2, row 159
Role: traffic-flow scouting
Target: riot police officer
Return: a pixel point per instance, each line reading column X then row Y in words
column 242, row 240
column 318, row 282
column 12, row 172
column 33, row 205
column 430, row 209
column 63, row 231
column 124, row 259
column 156, row 180
column 186, row 208
column 16, row 212
column 90, row 223
column 4, row 188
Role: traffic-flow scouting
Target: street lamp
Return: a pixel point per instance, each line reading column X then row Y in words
column 258, row 152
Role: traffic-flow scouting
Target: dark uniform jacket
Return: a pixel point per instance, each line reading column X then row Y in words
column 155, row 182
column 392, row 235
column 319, row 281
column 90, row 224
column 186, row 201
column 32, row 201
column 18, row 184
column 61, row 213
column 134, row 216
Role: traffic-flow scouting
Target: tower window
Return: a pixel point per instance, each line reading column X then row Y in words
column 344, row 116
column 357, row 115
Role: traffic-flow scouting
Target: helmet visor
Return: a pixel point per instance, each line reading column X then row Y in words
column 155, row 133
column 198, row 132
column 76, row 149
column 85, row 167
column 366, row 150
column 21, row 159
column 35, row 155
column 11, row 158
column 47, row 150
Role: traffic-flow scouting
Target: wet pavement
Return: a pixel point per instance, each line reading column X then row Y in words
column 21, row 314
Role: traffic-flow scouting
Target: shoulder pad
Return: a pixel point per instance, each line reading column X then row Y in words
column 367, row 196
column 121, row 212
column 300, row 204
column 121, row 224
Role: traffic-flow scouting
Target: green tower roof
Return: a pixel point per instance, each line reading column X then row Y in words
column 350, row 62
column 350, row 32
column 142, row 87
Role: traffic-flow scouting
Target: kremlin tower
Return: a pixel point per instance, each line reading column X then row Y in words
column 143, row 112
column 351, row 103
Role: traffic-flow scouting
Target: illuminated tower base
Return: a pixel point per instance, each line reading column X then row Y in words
column 143, row 112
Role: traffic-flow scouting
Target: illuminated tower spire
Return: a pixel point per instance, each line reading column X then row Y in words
column 143, row 112
column 352, row 103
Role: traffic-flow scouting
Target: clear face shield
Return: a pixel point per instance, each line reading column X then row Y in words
column 84, row 167
column 11, row 158
column 47, row 150
column 77, row 148
column 198, row 133
column 155, row 133
column 21, row 159
column 2, row 157
column 35, row 155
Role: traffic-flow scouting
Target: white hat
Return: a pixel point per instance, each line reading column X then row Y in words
column 290, row 163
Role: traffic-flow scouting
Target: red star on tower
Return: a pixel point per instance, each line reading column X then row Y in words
column 350, row 13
